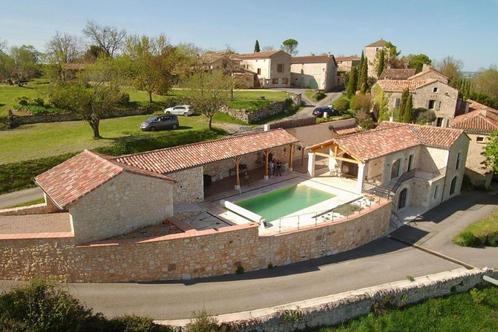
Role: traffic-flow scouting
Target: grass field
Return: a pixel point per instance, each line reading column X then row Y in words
column 476, row 310
column 482, row 233
column 49, row 139
column 37, row 88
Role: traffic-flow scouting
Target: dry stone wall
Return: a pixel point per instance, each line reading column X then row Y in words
column 186, row 255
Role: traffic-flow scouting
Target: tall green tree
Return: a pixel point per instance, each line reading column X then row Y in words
column 408, row 110
column 363, row 79
column 209, row 92
column 491, row 152
column 402, row 106
column 151, row 64
column 360, row 70
column 380, row 61
column 290, row 46
column 352, row 82
column 417, row 61
column 26, row 63
column 256, row 47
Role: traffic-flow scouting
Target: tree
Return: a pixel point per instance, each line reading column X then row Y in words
column 208, row 93
column 364, row 119
column 380, row 61
column 392, row 54
column 451, row 68
column 360, row 71
column 26, row 63
column 93, row 95
column 491, row 152
column 92, row 53
column 108, row 38
column 402, row 106
column 290, row 46
column 363, row 80
column 256, row 47
column 6, row 66
column 408, row 110
column 486, row 82
column 268, row 48
column 61, row 50
column 417, row 61
column 380, row 104
column 150, row 64
column 352, row 82
column 361, row 102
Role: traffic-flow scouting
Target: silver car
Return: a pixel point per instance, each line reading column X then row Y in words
column 184, row 110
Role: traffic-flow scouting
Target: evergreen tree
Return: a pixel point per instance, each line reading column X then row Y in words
column 364, row 77
column 256, row 47
column 360, row 70
column 402, row 106
column 381, row 59
column 408, row 110
column 352, row 82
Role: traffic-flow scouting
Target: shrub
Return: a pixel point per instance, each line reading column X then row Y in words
column 424, row 116
column 23, row 101
column 319, row 95
column 365, row 120
column 40, row 306
column 468, row 239
column 202, row 322
column 341, row 104
column 124, row 99
column 39, row 101
column 135, row 324
column 361, row 102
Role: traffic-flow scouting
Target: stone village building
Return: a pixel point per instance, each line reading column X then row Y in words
column 314, row 72
column 478, row 124
column 429, row 89
column 344, row 66
column 271, row 67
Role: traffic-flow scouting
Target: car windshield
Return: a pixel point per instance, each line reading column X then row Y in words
column 151, row 119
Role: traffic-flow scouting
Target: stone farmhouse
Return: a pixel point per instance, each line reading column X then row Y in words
column 478, row 124
column 429, row 90
column 417, row 166
column 230, row 64
column 271, row 67
column 344, row 66
column 176, row 213
column 314, row 72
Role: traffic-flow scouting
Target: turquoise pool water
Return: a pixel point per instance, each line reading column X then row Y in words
column 281, row 202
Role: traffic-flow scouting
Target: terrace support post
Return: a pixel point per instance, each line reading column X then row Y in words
column 291, row 152
column 332, row 161
column 267, row 153
column 237, row 173
column 302, row 156
column 361, row 177
column 311, row 164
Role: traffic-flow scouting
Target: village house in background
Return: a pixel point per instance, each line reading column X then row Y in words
column 314, row 72
column 478, row 124
column 230, row 63
column 429, row 89
column 344, row 66
column 271, row 67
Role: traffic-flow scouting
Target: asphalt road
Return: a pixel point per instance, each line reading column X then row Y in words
column 379, row 262
column 19, row 197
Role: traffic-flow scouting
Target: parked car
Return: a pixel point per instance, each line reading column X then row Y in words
column 320, row 111
column 184, row 110
column 160, row 122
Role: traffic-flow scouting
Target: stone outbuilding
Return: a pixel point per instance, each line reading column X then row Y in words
column 314, row 72
column 105, row 198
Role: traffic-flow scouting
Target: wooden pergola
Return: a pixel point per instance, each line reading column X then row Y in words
column 266, row 153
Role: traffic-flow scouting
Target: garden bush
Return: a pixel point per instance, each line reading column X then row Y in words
column 361, row 102
column 482, row 233
column 202, row 322
column 468, row 239
column 319, row 95
column 341, row 104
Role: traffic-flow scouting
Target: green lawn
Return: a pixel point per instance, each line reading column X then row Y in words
column 37, row 88
column 49, row 139
column 482, row 233
column 476, row 310
column 28, row 203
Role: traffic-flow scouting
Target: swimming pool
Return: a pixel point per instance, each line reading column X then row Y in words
column 281, row 202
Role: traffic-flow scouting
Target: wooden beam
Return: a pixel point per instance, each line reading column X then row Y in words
column 291, row 153
column 302, row 156
column 354, row 161
column 237, row 171
column 266, row 152
column 322, row 154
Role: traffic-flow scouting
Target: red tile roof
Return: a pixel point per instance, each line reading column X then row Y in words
column 259, row 55
column 390, row 137
column 481, row 119
column 400, row 85
column 173, row 159
column 347, row 58
column 379, row 43
column 396, row 74
column 81, row 174
column 312, row 59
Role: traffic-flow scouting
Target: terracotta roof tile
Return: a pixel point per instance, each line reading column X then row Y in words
column 81, row 174
column 390, row 137
column 312, row 59
column 173, row 159
column 396, row 74
column 379, row 43
column 259, row 55
column 481, row 119
column 347, row 58
column 400, row 85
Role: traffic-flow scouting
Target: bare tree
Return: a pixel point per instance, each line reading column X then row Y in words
column 268, row 48
column 108, row 38
column 61, row 50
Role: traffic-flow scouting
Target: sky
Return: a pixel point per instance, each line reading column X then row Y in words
column 466, row 30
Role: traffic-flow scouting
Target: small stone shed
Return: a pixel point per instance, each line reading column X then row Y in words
column 105, row 198
column 222, row 158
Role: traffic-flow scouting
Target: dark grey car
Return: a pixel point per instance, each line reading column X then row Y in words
column 160, row 122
